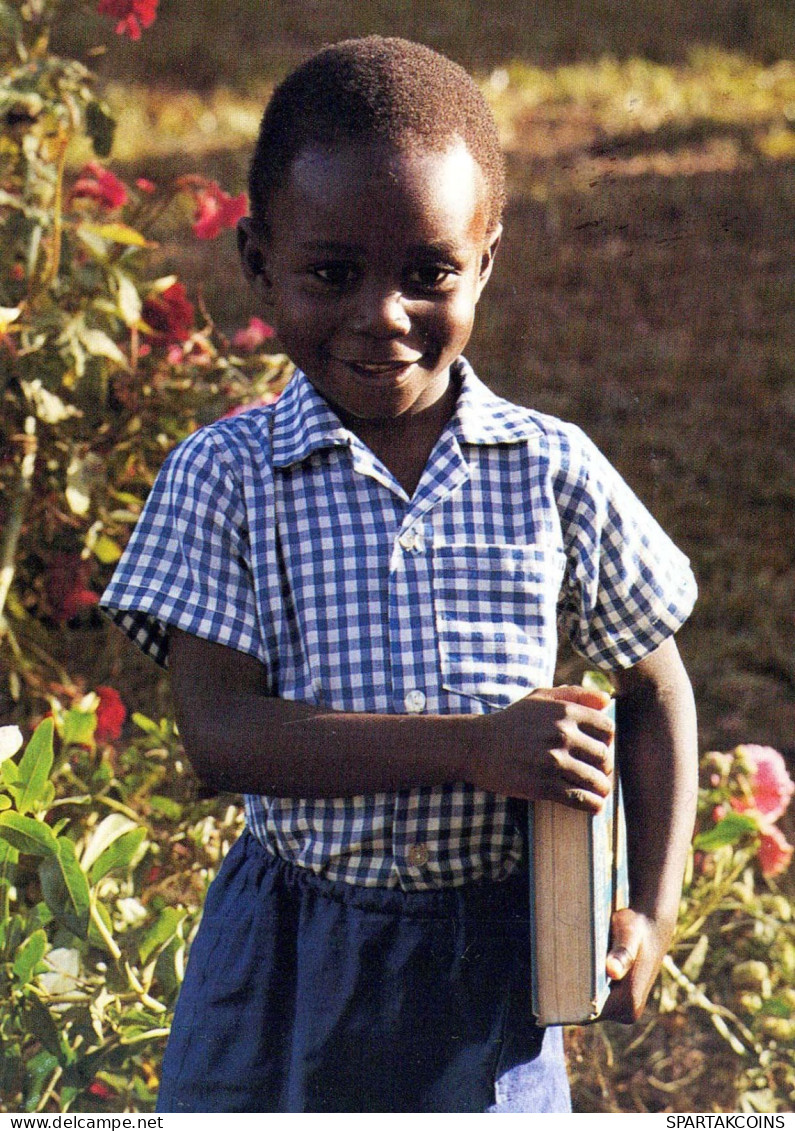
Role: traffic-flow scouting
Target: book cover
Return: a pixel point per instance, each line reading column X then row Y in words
column 578, row 877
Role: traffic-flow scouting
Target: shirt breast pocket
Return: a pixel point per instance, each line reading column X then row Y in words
column 495, row 609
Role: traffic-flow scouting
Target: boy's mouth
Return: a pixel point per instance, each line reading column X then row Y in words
column 375, row 369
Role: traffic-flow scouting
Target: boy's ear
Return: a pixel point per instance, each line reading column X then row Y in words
column 252, row 255
column 487, row 258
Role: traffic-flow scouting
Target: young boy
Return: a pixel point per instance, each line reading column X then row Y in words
column 358, row 590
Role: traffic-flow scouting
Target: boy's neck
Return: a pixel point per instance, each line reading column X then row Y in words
column 404, row 443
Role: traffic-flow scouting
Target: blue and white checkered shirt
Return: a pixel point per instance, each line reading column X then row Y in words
column 278, row 533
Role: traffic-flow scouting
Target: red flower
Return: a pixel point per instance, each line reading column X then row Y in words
column 96, row 183
column 169, row 315
column 253, row 336
column 771, row 786
column 775, row 851
column 66, row 583
column 101, row 1090
column 111, row 714
column 215, row 209
column 133, row 15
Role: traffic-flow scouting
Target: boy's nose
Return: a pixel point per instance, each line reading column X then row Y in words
column 380, row 313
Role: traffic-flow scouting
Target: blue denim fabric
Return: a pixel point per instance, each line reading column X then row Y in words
column 303, row 995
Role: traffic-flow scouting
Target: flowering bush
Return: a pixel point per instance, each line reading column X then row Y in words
column 104, row 365
column 726, row 1002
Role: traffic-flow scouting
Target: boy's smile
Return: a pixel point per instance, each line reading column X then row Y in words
column 372, row 265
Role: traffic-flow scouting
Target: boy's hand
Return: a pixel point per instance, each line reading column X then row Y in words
column 555, row 745
column 637, row 948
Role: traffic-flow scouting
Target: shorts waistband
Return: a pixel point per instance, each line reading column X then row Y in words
column 481, row 898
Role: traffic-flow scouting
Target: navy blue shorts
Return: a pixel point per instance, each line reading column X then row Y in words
column 303, row 995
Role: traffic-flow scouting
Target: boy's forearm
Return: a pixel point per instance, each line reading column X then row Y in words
column 658, row 754
column 552, row 744
column 314, row 752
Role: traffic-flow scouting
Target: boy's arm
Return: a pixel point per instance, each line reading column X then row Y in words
column 553, row 744
column 658, row 752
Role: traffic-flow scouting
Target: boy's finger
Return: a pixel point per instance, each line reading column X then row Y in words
column 626, row 936
column 568, row 693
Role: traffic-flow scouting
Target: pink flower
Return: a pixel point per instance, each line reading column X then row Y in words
column 95, row 183
column 775, row 851
column 215, row 209
column 133, row 15
column 111, row 714
column 145, row 185
column 771, row 786
column 253, row 336
column 169, row 315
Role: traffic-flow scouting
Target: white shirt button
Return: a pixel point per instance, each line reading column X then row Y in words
column 415, row 701
column 411, row 540
column 417, row 855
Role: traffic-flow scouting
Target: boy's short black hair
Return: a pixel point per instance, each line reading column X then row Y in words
column 374, row 89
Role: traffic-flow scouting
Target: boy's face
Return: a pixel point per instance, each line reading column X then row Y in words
column 372, row 265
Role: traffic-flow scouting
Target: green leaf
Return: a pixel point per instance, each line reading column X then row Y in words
column 160, row 933
column 729, row 830
column 118, row 233
column 119, row 855
column 149, row 726
column 776, row 1007
column 598, row 681
column 8, row 855
column 29, row 955
column 100, row 127
column 106, row 550
column 10, row 773
column 65, row 887
column 94, row 935
column 106, row 832
column 166, row 807
column 79, row 727
column 39, row 1068
column 35, row 766
column 28, row 835
column 5, row 801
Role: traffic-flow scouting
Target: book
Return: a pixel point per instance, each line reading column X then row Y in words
column 578, row 878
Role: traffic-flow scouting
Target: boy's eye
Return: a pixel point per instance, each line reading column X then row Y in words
column 430, row 276
column 334, row 274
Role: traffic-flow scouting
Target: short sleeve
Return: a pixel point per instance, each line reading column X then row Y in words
column 627, row 586
column 187, row 563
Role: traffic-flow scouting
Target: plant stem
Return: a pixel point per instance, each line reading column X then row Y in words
column 16, row 518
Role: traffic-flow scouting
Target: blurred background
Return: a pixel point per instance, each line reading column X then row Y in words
column 646, row 281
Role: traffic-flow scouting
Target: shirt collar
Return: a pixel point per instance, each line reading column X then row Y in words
column 303, row 422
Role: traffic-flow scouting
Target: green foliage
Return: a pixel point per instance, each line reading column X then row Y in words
column 97, row 904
